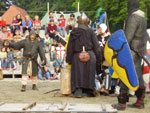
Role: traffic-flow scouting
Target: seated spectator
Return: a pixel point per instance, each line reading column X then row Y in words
column 17, row 36
column 3, row 57
column 61, row 21
column 36, row 23
column 44, row 74
column 17, row 59
column 53, row 50
column 27, row 24
column 71, row 23
column 3, row 33
column 41, row 40
column 10, row 58
column 52, row 30
column 56, row 74
column 64, row 63
column 14, row 25
column 57, row 61
column 2, row 22
column 19, row 22
column 47, row 43
column 10, row 35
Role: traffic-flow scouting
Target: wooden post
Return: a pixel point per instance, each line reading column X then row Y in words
column 78, row 6
column 48, row 7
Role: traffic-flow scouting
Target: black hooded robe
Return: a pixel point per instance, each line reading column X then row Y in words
column 83, row 74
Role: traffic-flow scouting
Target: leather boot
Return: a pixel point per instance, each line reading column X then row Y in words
column 23, row 89
column 34, row 87
column 140, row 94
column 122, row 99
column 78, row 93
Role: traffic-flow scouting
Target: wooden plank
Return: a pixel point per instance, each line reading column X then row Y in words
column 30, row 106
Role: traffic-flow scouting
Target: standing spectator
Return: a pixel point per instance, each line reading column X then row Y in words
column 10, row 57
column 2, row 22
column 44, row 73
column 71, row 23
column 27, row 24
column 61, row 21
column 37, row 23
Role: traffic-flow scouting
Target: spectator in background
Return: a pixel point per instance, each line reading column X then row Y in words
column 17, row 36
column 27, row 24
column 56, row 74
column 44, row 73
column 71, row 23
column 14, row 26
column 52, row 30
column 53, row 50
column 3, row 33
column 41, row 40
column 2, row 22
column 96, row 24
column 47, row 43
column 57, row 61
column 89, row 22
column 37, row 23
column 61, row 21
column 10, row 58
column 51, row 17
column 3, row 57
column 19, row 22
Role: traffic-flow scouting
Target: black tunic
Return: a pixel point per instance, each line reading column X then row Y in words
column 83, row 74
column 31, row 49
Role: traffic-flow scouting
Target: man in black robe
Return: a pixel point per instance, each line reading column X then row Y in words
column 31, row 48
column 135, row 31
column 83, row 74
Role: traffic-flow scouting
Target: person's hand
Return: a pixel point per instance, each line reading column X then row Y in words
column 6, row 43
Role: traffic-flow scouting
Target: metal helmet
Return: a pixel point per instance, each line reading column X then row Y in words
column 83, row 19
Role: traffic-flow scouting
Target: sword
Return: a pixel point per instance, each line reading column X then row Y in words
column 145, row 59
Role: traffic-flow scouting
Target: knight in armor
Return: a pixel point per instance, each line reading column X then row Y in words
column 83, row 74
column 135, row 31
column 31, row 48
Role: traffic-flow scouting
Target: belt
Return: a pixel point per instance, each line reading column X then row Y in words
column 27, row 58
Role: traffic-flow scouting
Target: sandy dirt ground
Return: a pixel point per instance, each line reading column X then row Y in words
column 10, row 93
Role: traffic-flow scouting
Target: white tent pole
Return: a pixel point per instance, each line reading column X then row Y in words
column 48, row 7
column 78, row 6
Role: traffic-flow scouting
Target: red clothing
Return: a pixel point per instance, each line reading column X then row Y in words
column 51, row 28
column 37, row 22
column 2, row 23
column 62, row 22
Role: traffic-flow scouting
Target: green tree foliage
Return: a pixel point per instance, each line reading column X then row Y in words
column 116, row 9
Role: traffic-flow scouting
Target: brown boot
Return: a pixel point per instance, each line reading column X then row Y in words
column 34, row 87
column 122, row 99
column 140, row 94
column 119, row 106
column 23, row 89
